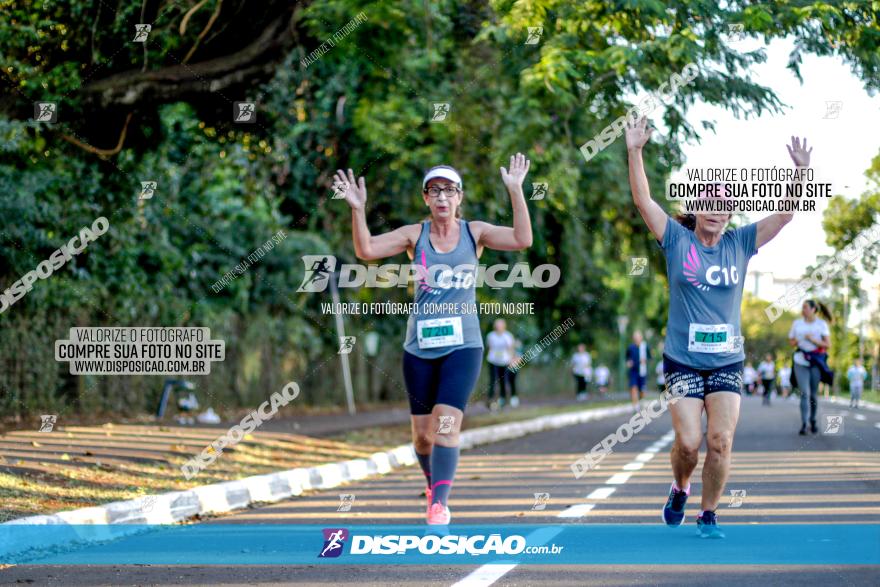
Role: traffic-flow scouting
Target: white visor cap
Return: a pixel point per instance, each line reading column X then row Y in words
column 442, row 172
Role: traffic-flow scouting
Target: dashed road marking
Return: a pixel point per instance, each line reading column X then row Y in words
column 602, row 493
column 489, row 573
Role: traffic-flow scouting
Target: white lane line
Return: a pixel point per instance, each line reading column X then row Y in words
column 602, row 493
column 489, row 573
column 859, row 417
column 618, row 479
column 877, row 425
column 576, row 511
column 485, row 575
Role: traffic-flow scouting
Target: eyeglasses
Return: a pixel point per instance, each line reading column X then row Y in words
column 448, row 191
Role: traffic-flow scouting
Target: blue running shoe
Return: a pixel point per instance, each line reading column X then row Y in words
column 673, row 512
column 707, row 526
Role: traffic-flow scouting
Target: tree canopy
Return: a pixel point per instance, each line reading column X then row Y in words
column 162, row 110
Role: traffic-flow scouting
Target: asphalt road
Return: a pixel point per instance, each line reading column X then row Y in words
column 781, row 478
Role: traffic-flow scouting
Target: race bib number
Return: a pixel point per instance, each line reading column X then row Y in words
column 439, row 332
column 711, row 338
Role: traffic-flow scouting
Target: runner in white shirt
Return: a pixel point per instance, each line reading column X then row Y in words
column 501, row 347
column 603, row 374
column 767, row 372
column 661, row 379
column 856, row 375
column 810, row 336
column 582, row 369
column 785, row 380
column 750, row 376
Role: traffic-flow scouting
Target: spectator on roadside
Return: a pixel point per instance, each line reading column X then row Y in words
column 637, row 356
column 785, row 380
column 767, row 372
column 660, row 377
column 750, row 377
column 856, row 375
column 511, row 373
column 500, row 344
column 581, row 366
column 603, row 375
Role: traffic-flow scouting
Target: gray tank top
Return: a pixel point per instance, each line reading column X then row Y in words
column 445, row 297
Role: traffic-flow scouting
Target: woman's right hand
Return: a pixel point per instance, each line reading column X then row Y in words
column 638, row 133
column 355, row 192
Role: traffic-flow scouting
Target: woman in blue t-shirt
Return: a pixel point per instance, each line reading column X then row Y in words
column 705, row 267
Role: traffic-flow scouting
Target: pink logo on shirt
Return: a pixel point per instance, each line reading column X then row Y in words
column 423, row 280
column 691, row 267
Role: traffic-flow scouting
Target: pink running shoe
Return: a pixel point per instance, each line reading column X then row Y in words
column 428, row 494
column 438, row 515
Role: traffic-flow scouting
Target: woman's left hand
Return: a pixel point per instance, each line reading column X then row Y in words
column 798, row 151
column 519, row 167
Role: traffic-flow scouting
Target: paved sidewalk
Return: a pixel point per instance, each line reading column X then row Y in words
column 330, row 424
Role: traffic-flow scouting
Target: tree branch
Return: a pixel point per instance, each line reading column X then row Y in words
column 169, row 84
column 99, row 151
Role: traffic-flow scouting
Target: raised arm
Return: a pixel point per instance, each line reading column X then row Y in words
column 366, row 246
column 505, row 238
column 769, row 227
column 655, row 217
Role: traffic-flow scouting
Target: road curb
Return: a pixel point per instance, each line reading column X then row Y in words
column 219, row 498
column 845, row 403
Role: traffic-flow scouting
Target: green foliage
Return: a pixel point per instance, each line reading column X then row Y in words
column 844, row 292
column 224, row 189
